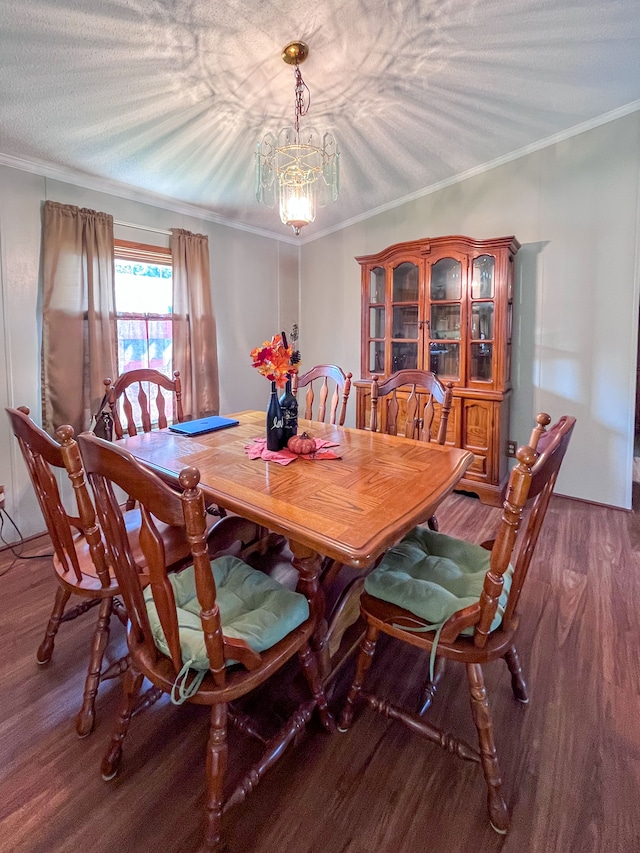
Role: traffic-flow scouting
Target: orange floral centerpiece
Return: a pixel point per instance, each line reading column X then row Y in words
column 275, row 360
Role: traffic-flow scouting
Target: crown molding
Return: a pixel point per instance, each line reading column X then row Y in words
column 122, row 190
column 548, row 141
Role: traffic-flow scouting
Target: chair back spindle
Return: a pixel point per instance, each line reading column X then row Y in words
column 337, row 403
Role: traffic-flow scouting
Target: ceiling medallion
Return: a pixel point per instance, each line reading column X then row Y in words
column 297, row 168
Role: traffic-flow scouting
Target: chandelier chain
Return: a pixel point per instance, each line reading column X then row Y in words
column 303, row 99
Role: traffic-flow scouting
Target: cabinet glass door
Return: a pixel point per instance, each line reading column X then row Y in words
column 377, row 319
column 444, row 360
column 405, row 283
column 446, row 279
column 482, row 277
column 445, row 318
column 404, row 319
column 482, row 319
column 376, row 285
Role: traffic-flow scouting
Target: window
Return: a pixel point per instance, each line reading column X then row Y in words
column 143, row 306
column 144, row 296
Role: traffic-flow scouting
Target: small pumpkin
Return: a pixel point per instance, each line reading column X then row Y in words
column 301, row 444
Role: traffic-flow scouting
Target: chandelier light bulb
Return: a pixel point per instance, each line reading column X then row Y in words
column 297, row 206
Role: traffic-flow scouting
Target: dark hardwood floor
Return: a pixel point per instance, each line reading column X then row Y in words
column 570, row 759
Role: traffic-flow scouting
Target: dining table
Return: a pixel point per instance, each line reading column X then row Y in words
column 348, row 509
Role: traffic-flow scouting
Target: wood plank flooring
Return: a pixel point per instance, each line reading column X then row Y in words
column 570, row 759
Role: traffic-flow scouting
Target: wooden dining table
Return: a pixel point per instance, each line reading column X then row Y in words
column 349, row 509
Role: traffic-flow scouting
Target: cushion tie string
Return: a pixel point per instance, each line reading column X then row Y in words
column 421, row 628
column 180, row 692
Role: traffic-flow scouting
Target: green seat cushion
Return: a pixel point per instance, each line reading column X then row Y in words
column 433, row 576
column 253, row 607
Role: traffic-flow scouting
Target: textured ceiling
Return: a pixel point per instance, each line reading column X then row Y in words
column 171, row 96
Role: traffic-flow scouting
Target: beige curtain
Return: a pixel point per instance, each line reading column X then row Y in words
column 78, row 333
column 195, row 352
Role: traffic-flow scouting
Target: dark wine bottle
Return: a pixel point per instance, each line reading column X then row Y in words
column 289, row 406
column 274, row 421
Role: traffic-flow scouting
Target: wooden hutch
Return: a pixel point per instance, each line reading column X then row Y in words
column 445, row 305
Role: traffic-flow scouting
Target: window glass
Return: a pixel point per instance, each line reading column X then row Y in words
column 144, row 295
column 143, row 288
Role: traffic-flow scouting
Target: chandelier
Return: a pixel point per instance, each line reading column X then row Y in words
column 297, row 168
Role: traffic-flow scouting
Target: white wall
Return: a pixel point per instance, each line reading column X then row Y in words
column 255, row 293
column 574, row 207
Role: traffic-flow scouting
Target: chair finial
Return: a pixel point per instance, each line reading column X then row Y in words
column 189, row 477
column 65, row 433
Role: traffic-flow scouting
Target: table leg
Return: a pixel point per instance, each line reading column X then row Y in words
column 308, row 563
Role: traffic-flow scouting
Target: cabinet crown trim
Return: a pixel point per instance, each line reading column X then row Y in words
column 456, row 242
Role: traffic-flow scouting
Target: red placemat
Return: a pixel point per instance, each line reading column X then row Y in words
column 321, row 450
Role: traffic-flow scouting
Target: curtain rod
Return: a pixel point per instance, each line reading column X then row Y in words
column 142, row 227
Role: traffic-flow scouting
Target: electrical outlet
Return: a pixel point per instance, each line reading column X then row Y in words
column 511, row 448
column 1, row 497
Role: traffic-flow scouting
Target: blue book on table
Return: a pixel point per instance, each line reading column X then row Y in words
column 203, row 425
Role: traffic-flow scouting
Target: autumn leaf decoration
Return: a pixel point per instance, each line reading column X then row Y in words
column 276, row 360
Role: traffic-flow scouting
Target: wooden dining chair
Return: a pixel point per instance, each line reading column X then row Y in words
column 416, row 418
column 458, row 601
column 208, row 635
column 79, row 558
column 131, row 397
column 80, row 563
column 139, row 398
column 341, row 383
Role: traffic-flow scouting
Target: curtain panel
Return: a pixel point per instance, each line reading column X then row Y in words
column 195, row 351
column 78, row 327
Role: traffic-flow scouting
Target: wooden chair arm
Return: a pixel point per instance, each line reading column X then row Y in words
column 240, row 650
column 460, row 620
column 488, row 544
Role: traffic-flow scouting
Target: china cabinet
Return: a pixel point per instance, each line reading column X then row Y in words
column 445, row 305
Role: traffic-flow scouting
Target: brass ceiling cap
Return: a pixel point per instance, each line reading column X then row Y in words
column 295, row 53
